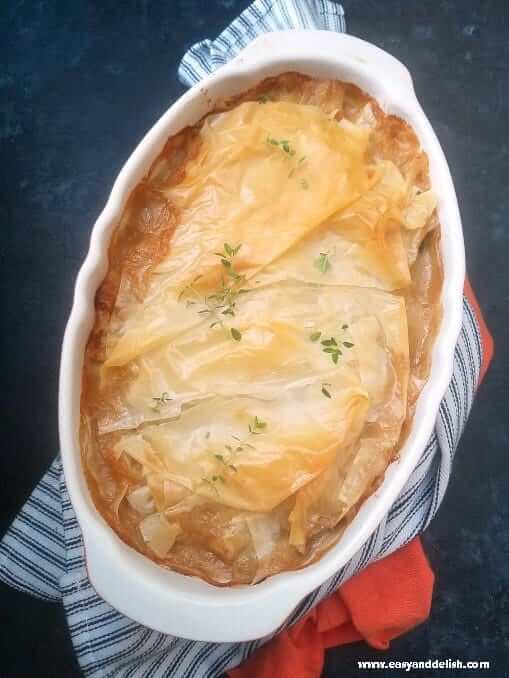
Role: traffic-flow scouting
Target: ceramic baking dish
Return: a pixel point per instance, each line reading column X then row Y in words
column 187, row 606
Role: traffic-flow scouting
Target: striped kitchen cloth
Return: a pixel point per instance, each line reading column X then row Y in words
column 42, row 552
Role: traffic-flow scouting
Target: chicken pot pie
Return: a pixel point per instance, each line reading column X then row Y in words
column 262, row 332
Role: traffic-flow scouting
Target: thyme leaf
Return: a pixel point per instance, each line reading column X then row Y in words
column 331, row 347
column 283, row 144
column 325, row 390
column 257, row 426
column 323, row 263
column 160, row 401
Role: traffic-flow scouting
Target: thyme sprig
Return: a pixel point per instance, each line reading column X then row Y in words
column 283, row 144
column 286, row 147
column 227, row 458
column 300, row 162
column 227, row 462
column 160, row 401
column 213, row 480
column 221, row 303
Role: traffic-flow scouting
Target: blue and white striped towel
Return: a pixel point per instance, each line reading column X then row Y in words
column 42, row 552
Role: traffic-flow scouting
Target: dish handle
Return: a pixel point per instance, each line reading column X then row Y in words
column 321, row 43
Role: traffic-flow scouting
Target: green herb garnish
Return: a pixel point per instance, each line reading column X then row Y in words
column 227, row 460
column 229, row 251
column 212, row 481
column 221, row 303
column 325, row 390
column 231, row 451
column 323, row 263
column 243, row 443
column 331, row 346
column 283, row 144
column 257, row 426
column 160, row 401
column 315, row 336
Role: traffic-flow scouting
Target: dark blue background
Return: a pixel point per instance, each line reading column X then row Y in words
column 80, row 83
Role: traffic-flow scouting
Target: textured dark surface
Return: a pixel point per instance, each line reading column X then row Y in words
column 80, row 83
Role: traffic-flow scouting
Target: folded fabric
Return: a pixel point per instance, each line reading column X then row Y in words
column 42, row 552
column 380, row 603
column 261, row 16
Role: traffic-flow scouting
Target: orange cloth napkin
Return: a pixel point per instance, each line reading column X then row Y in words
column 382, row 602
column 487, row 339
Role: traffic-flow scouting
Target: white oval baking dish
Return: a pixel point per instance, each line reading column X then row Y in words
column 186, row 606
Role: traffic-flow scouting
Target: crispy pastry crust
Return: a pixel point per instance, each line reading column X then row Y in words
column 143, row 238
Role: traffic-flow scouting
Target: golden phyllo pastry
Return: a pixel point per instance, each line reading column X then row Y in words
column 263, row 331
